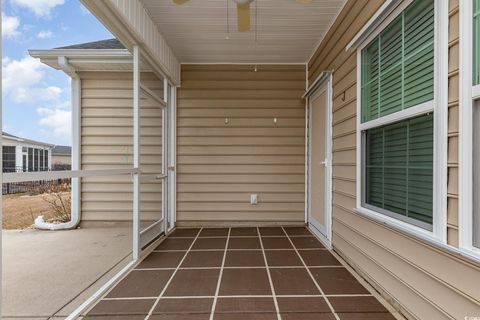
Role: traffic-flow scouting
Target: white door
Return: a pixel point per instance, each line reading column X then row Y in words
column 319, row 161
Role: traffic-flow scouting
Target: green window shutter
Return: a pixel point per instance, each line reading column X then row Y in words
column 476, row 42
column 398, row 65
column 399, row 168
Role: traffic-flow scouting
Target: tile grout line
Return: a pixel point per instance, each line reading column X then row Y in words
column 233, row 249
column 242, row 237
column 240, row 267
column 217, row 290
column 311, row 275
column 171, row 277
column 277, row 309
column 243, row 296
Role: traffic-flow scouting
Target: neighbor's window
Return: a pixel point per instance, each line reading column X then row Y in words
column 397, row 74
column 42, row 166
column 9, row 159
column 46, row 160
column 30, row 159
column 476, row 42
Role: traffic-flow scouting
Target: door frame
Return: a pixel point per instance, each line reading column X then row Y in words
column 324, row 83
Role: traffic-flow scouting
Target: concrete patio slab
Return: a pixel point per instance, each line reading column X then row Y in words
column 49, row 273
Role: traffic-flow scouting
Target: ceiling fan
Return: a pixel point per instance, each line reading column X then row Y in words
column 243, row 12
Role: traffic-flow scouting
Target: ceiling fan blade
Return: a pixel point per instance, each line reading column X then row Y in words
column 243, row 17
column 180, row 1
column 304, row 1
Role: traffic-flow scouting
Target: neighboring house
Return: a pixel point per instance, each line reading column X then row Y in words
column 25, row 155
column 61, row 158
column 344, row 117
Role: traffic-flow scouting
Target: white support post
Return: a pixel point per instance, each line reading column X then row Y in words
column 172, row 151
column 76, row 147
column 165, row 150
column 136, row 153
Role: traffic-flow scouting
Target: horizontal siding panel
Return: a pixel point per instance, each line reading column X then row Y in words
column 240, row 197
column 246, row 150
column 113, row 102
column 266, row 122
column 240, row 104
column 240, row 113
column 241, row 141
column 239, row 94
column 344, row 171
column 240, row 206
column 244, row 187
column 243, row 169
column 239, row 178
column 148, row 194
column 119, row 150
column 238, row 216
column 244, row 132
column 102, row 112
column 242, row 75
column 343, row 142
column 243, row 85
column 121, row 122
column 124, row 141
column 241, row 159
column 120, row 131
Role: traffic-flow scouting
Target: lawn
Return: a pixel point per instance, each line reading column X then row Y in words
column 20, row 210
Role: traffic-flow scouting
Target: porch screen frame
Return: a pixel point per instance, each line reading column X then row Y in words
column 438, row 105
column 469, row 95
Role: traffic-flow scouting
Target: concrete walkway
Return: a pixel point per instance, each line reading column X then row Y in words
column 46, row 273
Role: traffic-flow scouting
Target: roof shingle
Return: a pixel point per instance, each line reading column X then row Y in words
column 102, row 44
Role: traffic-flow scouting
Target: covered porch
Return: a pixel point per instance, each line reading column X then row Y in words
column 242, row 162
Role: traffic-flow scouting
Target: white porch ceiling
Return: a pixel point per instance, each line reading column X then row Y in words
column 288, row 32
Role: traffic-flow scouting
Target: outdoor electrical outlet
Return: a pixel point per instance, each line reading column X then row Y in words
column 253, row 199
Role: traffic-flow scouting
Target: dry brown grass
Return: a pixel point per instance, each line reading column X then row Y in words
column 20, row 210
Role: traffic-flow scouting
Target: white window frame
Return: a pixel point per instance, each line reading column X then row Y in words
column 468, row 93
column 439, row 105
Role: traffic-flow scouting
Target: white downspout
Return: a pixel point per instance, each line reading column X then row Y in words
column 76, row 88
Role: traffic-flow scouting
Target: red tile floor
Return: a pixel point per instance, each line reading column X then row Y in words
column 240, row 274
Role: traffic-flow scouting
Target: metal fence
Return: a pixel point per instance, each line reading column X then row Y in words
column 34, row 187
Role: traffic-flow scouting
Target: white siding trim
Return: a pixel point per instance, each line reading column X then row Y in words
column 465, row 157
column 172, row 157
column 136, row 153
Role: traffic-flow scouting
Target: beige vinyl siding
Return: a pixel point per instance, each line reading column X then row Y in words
column 107, row 143
column 417, row 277
column 220, row 165
column 453, row 96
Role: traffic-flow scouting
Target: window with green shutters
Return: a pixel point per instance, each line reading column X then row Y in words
column 397, row 73
column 476, row 42
column 397, row 66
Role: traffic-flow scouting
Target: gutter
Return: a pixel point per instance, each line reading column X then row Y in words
column 75, row 213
